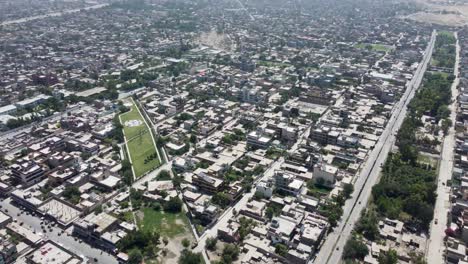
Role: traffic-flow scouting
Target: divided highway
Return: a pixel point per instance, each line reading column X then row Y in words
column 332, row 249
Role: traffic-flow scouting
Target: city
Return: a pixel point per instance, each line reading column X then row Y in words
column 216, row 131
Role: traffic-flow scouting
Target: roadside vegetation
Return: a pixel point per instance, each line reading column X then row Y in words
column 406, row 190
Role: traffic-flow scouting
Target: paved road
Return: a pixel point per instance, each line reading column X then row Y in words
column 12, row 132
column 332, row 249
column 73, row 244
column 437, row 231
column 55, row 14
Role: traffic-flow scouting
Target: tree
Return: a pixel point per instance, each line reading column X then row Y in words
column 348, row 189
column 72, row 193
column 367, row 225
column 211, row 243
column 188, row 257
column 409, row 153
column 446, row 124
column 164, row 175
column 230, row 253
column 221, row 199
column 185, row 243
column 174, row 205
column 135, row 256
column 355, row 249
column 281, row 249
column 390, row 257
column 246, row 225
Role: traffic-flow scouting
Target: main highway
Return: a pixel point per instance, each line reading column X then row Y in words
column 332, row 249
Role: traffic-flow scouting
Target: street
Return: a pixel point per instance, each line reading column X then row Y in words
column 435, row 249
column 73, row 244
column 31, row 18
column 332, row 250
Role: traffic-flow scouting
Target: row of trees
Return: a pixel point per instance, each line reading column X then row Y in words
column 406, row 190
column 444, row 55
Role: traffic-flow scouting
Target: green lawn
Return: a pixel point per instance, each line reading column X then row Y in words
column 133, row 114
column 141, row 144
column 375, row 47
column 166, row 224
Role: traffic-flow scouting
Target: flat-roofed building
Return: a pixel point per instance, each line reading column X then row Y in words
column 288, row 183
column 93, row 227
column 207, row 183
column 52, row 253
column 27, row 172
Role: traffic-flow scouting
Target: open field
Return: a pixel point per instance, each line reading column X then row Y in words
column 438, row 13
column 139, row 141
column 173, row 226
column 375, row 47
column 166, row 224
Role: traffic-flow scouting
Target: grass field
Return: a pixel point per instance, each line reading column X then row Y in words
column 140, row 144
column 375, row 47
column 166, row 224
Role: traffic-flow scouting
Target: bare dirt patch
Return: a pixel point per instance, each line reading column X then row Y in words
column 441, row 13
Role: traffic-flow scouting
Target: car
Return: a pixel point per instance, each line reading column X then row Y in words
column 194, row 245
column 435, row 221
column 337, row 248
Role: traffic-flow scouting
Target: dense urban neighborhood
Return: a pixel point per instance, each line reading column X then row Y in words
column 246, row 131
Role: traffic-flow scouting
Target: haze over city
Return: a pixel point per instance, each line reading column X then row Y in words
column 233, row 131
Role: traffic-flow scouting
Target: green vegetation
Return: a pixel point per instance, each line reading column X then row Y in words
column 367, row 225
column 274, row 153
column 140, row 143
column 140, row 244
column 164, row 175
column 406, row 190
column 165, row 223
column 231, row 139
column 332, row 209
column 230, row 254
column 174, row 205
column 246, row 225
column 211, row 243
column 72, row 194
column 221, row 199
column 374, row 47
column 281, row 249
column 390, row 257
column 317, row 189
column 273, row 64
column 189, row 257
column 355, row 249
column 444, row 53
